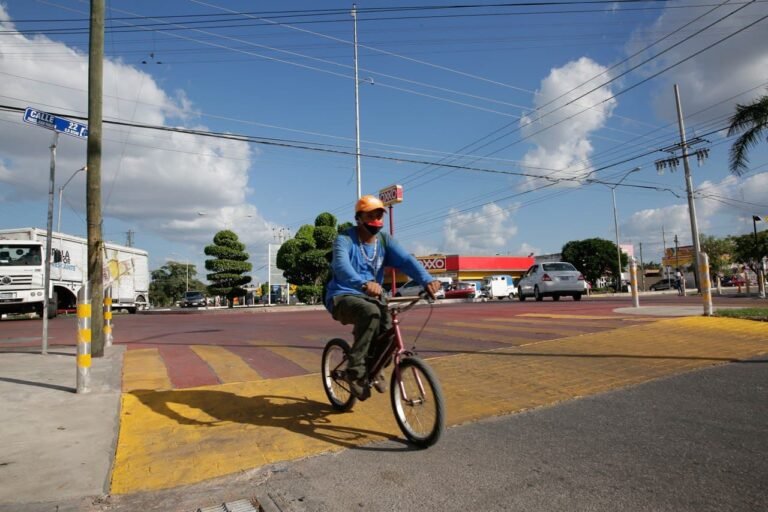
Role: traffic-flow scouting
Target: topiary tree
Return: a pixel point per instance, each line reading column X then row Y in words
column 305, row 258
column 593, row 257
column 229, row 266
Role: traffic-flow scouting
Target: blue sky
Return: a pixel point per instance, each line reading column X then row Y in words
column 525, row 102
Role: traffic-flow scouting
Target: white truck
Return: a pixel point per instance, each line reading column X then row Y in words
column 499, row 287
column 22, row 258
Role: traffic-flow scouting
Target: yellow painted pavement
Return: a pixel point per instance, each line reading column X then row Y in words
column 540, row 329
column 228, row 366
column 307, row 358
column 144, row 369
column 172, row 438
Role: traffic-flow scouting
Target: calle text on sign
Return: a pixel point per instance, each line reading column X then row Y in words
column 391, row 195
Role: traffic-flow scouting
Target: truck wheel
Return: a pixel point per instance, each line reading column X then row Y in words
column 39, row 309
column 555, row 297
column 512, row 296
column 577, row 296
column 520, row 295
column 53, row 306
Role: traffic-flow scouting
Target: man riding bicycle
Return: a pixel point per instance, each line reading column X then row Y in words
column 354, row 294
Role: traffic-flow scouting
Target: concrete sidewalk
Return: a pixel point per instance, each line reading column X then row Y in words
column 56, row 444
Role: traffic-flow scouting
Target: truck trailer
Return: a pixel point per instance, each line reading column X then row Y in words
column 22, row 260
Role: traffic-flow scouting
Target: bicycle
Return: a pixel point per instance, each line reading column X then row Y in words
column 415, row 392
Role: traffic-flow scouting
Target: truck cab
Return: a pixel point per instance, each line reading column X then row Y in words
column 22, row 278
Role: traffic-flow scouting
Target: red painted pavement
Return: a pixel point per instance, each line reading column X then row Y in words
column 185, row 368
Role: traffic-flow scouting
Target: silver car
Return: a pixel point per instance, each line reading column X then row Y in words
column 551, row 279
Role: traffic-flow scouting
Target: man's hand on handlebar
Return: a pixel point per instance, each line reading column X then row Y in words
column 372, row 289
column 433, row 287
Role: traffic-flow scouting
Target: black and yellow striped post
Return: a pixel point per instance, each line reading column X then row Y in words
column 108, row 317
column 84, row 340
column 706, row 284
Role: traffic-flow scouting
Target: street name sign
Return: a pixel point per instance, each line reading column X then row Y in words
column 55, row 123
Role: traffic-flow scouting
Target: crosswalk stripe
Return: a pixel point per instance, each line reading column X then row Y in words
column 469, row 335
column 144, row 368
column 228, row 367
column 614, row 322
column 308, row 358
column 518, row 328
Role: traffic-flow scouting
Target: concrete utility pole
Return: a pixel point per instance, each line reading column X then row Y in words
column 357, row 110
column 93, row 182
column 689, row 188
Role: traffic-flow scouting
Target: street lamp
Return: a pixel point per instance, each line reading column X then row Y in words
column 61, row 191
column 616, row 225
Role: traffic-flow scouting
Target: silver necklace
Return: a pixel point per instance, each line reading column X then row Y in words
column 370, row 260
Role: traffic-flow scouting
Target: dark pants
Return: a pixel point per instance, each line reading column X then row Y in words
column 370, row 317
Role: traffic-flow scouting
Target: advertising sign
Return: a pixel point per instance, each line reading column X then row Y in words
column 391, row 195
column 433, row 263
column 683, row 257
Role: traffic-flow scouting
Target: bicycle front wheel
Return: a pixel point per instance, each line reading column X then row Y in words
column 333, row 365
column 417, row 402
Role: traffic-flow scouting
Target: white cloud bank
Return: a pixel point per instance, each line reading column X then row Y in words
column 155, row 181
column 712, row 77
column 565, row 147
column 486, row 231
column 722, row 208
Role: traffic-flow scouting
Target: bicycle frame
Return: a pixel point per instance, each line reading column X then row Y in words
column 395, row 349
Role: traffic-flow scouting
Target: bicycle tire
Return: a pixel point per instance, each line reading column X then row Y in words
column 333, row 364
column 422, row 433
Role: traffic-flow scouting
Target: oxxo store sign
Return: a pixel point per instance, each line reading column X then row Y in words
column 436, row 265
column 391, row 195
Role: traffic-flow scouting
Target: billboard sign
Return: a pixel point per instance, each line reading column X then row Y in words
column 391, row 195
column 683, row 257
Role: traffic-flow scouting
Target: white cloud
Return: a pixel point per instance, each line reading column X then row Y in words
column 730, row 68
column 722, row 208
column 483, row 232
column 154, row 181
column 525, row 249
column 566, row 146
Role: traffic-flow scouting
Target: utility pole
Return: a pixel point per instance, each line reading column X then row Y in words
column 357, row 109
column 689, row 188
column 93, row 182
column 664, row 245
column 129, row 238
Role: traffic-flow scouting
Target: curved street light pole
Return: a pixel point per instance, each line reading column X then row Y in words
column 61, row 191
column 616, row 226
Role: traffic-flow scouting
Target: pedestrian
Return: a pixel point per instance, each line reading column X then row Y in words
column 679, row 283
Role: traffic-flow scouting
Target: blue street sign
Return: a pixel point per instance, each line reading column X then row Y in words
column 56, row 123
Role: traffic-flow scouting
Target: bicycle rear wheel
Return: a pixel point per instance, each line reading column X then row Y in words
column 333, row 365
column 418, row 405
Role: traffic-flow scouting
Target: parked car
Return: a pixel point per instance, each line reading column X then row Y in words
column 664, row 284
column 412, row 289
column 734, row 280
column 551, row 279
column 461, row 290
column 193, row 299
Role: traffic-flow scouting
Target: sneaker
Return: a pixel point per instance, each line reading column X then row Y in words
column 380, row 383
column 357, row 387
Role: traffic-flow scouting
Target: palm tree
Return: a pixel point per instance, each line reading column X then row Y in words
column 751, row 119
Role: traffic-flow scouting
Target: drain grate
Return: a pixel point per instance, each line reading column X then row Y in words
column 232, row 506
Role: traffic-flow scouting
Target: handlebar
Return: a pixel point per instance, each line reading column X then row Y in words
column 409, row 301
